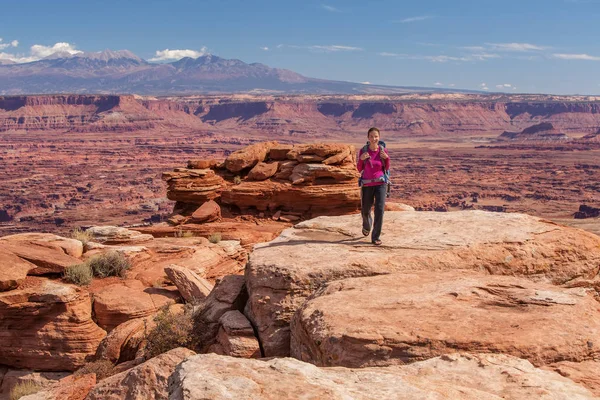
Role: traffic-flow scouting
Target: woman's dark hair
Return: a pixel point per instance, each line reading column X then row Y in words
column 373, row 129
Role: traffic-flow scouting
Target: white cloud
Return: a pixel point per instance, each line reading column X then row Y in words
column 483, row 86
column 37, row 51
column 587, row 57
column 168, row 55
column 415, row 19
column 386, row 54
column 519, row 47
column 438, row 84
column 452, row 85
column 366, row 83
column 265, row 48
column 484, row 56
column 507, row 85
column 473, row 48
column 323, row 48
column 443, row 58
column 3, row 46
column 335, row 48
column 329, row 8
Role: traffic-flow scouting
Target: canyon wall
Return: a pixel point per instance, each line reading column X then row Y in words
column 301, row 115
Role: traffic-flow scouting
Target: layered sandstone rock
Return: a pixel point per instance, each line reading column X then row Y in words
column 117, row 235
column 16, row 377
column 235, row 337
column 283, row 273
column 191, row 287
column 316, row 177
column 403, row 318
column 457, row 376
column 148, row 380
column 207, row 212
column 14, row 270
column 45, row 256
column 586, row 373
column 127, row 300
column 48, row 327
column 229, row 294
column 72, row 387
column 71, row 247
column 122, row 343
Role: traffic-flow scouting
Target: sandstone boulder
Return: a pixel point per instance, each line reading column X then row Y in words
column 262, row 171
column 15, row 377
column 403, row 318
column 46, row 258
column 248, row 157
column 72, row 387
column 117, row 235
column 586, row 373
column 202, row 164
column 13, row 270
column 279, row 152
column 118, row 345
column 457, row 376
column 228, row 294
column 236, row 337
column 148, row 380
column 48, row 327
column 194, row 186
column 71, row 247
column 192, row 287
column 283, row 273
column 313, row 173
column 127, row 300
column 207, row 212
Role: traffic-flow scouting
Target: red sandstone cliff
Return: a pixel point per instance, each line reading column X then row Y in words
column 297, row 116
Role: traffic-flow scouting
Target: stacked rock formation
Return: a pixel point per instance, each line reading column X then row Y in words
column 305, row 179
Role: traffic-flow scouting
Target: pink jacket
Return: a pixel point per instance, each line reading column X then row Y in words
column 372, row 168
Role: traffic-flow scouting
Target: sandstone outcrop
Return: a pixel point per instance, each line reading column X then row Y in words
column 20, row 376
column 586, row 373
column 319, row 178
column 46, row 256
column 148, row 380
column 541, row 131
column 72, row 387
column 235, row 337
column 49, row 327
column 456, row 376
column 117, row 235
column 283, row 273
column 207, row 212
column 127, row 300
column 228, row 294
column 191, row 287
column 121, row 343
column 403, row 318
column 71, row 247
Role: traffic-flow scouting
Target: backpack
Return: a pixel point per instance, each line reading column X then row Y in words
column 386, row 173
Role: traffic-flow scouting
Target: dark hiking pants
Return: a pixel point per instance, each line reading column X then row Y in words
column 372, row 194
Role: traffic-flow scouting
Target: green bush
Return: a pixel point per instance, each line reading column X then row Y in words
column 79, row 274
column 102, row 368
column 112, row 263
column 171, row 331
column 23, row 389
column 215, row 237
column 81, row 235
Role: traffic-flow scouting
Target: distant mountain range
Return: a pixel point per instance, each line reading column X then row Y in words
column 112, row 72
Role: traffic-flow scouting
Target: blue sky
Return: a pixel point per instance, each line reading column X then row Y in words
column 526, row 46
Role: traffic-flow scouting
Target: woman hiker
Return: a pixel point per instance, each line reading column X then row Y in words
column 373, row 162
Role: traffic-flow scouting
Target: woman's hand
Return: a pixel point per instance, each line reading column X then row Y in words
column 364, row 156
column 384, row 155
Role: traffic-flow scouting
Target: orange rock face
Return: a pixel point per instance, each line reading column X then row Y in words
column 207, row 212
column 49, row 327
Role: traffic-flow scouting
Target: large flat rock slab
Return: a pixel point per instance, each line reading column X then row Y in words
column 403, row 318
column 281, row 274
column 457, row 376
column 48, row 328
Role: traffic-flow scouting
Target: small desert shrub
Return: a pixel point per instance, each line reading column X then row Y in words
column 81, row 235
column 23, row 389
column 102, row 369
column 79, row 274
column 215, row 237
column 237, row 180
column 112, row 263
column 171, row 331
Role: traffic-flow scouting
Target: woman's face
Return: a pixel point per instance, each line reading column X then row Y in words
column 374, row 138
